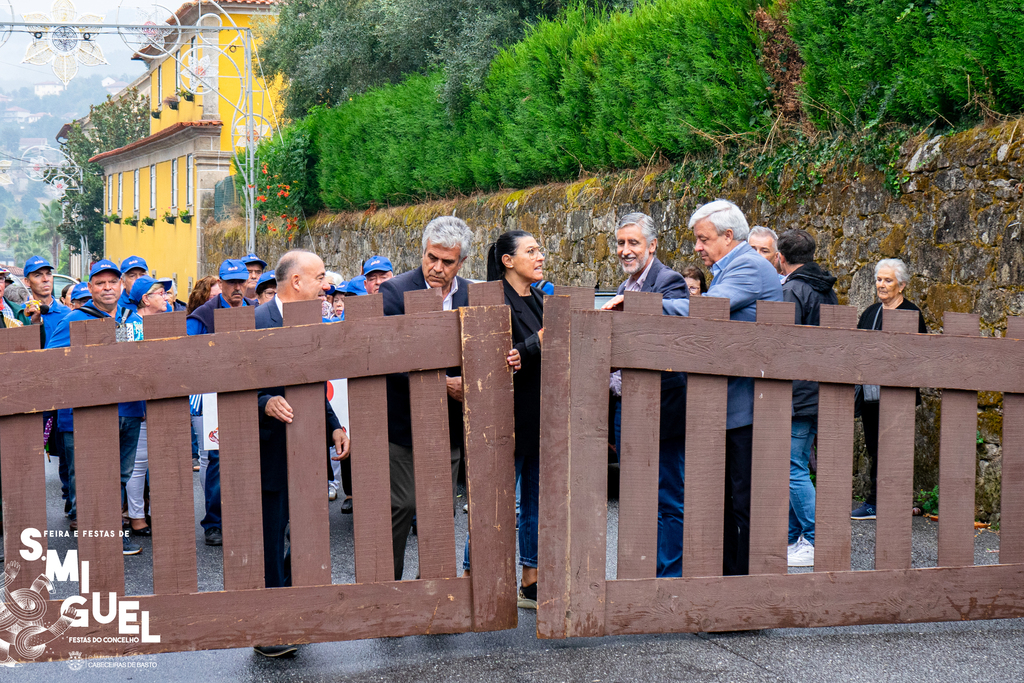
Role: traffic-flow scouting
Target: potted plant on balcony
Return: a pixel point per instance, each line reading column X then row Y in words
column 113, row 218
column 169, row 218
column 130, row 220
column 172, row 102
column 186, row 95
column 185, row 216
column 147, row 221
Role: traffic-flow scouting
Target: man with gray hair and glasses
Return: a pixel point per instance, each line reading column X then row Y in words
column 446, row 244
column 636, row 241
column 744, row 277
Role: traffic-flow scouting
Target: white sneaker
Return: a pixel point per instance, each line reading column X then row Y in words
column 332, row 491
column 800, row 554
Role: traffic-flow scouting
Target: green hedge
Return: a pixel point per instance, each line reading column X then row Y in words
column 909, row 62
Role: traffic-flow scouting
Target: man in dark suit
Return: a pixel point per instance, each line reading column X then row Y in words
column 636, row 241
column 300, row 276
column 446, row 243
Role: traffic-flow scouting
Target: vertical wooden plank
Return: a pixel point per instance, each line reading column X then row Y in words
column 431, row 451
column 1011, row 510
column 895, row 485
column 241, row 499
column 487, row 404
column 590, row 357
column 553, row 567
column 98, row 477
column 307, row 468
column 639, row 460
column 834, row 483
column 371, row 469
column 480, row 294
column 580, row 298
column 169, row 427
column 769, row 494
column 958, row 459
column 705, row 458
column 23, row 471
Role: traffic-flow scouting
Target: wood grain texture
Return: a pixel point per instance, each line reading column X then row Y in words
column 588, row 470
column 240, row 486
column 484, row 294
column 706, row 308
column 428, row 402
column 371, row 468
column 490, row 464
column 214, row 620
column 833, row 483
column 815, row 599
column 958, row 456
column 1011, row 518
column 553, row 519
column 580, row 298
column 895, row 484
column 307, row 468
column 169, row 433
column 639, row 459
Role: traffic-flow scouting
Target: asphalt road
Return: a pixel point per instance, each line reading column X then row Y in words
column 955, row 652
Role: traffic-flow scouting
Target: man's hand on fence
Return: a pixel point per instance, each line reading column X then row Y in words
column 513, row 360
column 614, row 304
column 454, row 387
column 341, row 444
column 279, row 409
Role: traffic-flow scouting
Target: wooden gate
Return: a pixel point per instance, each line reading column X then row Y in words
column 581, row 346
column 95, row 374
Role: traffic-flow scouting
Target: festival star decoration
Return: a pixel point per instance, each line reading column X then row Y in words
column 65, row 46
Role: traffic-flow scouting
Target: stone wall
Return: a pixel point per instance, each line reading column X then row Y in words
column 957, row 224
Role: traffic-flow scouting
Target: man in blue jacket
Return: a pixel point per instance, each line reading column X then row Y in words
column 132, row 268
column 43, row 307
column 105, row 287
column 744, row 277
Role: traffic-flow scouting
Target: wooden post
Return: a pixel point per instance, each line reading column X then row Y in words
column 1011, row 510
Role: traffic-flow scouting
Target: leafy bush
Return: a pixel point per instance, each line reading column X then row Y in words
column 912, row 62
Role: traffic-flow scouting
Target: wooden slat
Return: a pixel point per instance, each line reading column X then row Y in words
column 705, row 459
column 588, row 469
column 371, row 469
column 895, row 484
column 815, row 599
column 1011, row 510
column 553, row 519
column 169, row 434
column 769, row 480
column 958, row 459
column 480, row 294
column 834, row 483
column 490, row 471
column 581, row 298
column 307, row 468
column 226, row 619
column 431, row 448
column 98, row 476
column 240, row 487
column 639, row 460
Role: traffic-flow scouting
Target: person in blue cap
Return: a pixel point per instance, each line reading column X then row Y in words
column 80, row 295
column 171, row 295
column 336, row 297
column 376, row 270
column 233, row 277
column 42, row 306
column 132, row 268
column 105, row 288
column 266, row 288
column 256, row 266
column 356, row 286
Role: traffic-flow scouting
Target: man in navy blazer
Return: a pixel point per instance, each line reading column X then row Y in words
column 744, row 277
column 300, row 277
column 636, row 241
column 446, row 243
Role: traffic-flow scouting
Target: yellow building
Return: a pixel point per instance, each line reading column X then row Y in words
column 161, row 188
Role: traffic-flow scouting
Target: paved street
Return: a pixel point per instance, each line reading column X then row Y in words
column 955, row 652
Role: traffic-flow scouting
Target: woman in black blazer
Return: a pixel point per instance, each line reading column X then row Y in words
column 516, row 259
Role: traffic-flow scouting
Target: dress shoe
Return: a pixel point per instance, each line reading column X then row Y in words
column 276, row 650
column 214, row 537
column 346, row 506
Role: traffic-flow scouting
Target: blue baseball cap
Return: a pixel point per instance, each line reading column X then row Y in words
column 167, row 282
column 141, row 288
column 376, row 263
column 35, row 263
column 134, row 262
column 356, row 285
column 336, row 289
column 253, row 258
column 266, row 278
column 103, row 265
column 80, row 291
column 233, row 270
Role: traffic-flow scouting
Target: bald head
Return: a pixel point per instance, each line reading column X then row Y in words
column 299, row 275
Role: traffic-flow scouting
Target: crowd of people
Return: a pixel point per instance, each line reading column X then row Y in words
column 746, row 265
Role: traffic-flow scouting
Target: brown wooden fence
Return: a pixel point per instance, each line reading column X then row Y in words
column 95, row 374
column 581, row 346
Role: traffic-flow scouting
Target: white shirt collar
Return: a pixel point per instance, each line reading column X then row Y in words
column 280, row 307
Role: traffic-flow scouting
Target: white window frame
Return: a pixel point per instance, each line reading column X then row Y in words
column 190, row 188
column 120, row 194
column 159, row 85
column 177, row 72
column 152, row 191
column 135, row 191
column 174, row 183
column 110, row 194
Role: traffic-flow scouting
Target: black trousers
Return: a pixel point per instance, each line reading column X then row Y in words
column 736, row 529
column 277, row 566
column 869, row 414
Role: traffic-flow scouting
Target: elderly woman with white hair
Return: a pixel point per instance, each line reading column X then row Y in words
column 891, row 278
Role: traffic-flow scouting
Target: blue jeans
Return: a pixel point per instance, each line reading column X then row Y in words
column 801, row 490
column 68, row 441
column 211, row 491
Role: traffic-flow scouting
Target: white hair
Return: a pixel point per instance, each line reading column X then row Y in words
column 333, row 278
column 764, row 232
column 897, row 266
column 643, row 221
column 448, row 232
column 724, row 215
